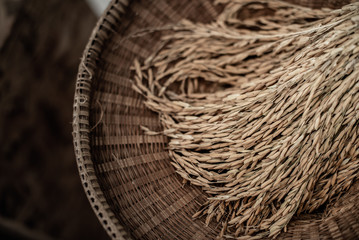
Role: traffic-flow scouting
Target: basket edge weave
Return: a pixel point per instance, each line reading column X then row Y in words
column 81, row 126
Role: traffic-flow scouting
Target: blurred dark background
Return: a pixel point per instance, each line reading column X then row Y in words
column 41, row 196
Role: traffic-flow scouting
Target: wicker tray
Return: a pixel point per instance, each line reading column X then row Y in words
column 127, row 175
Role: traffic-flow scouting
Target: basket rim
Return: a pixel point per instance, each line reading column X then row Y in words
column 80, row 125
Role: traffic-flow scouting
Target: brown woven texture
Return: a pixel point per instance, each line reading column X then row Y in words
column 127, row 174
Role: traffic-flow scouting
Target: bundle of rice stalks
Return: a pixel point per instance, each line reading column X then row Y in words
column 261, row 112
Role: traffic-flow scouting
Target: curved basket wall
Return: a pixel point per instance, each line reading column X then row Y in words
column 127, row 175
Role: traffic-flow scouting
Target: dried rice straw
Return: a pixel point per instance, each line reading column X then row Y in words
column 261, row 112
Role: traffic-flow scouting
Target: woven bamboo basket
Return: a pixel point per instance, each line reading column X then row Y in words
column 126, row 174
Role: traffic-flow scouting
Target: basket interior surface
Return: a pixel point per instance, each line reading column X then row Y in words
column 127, row 175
